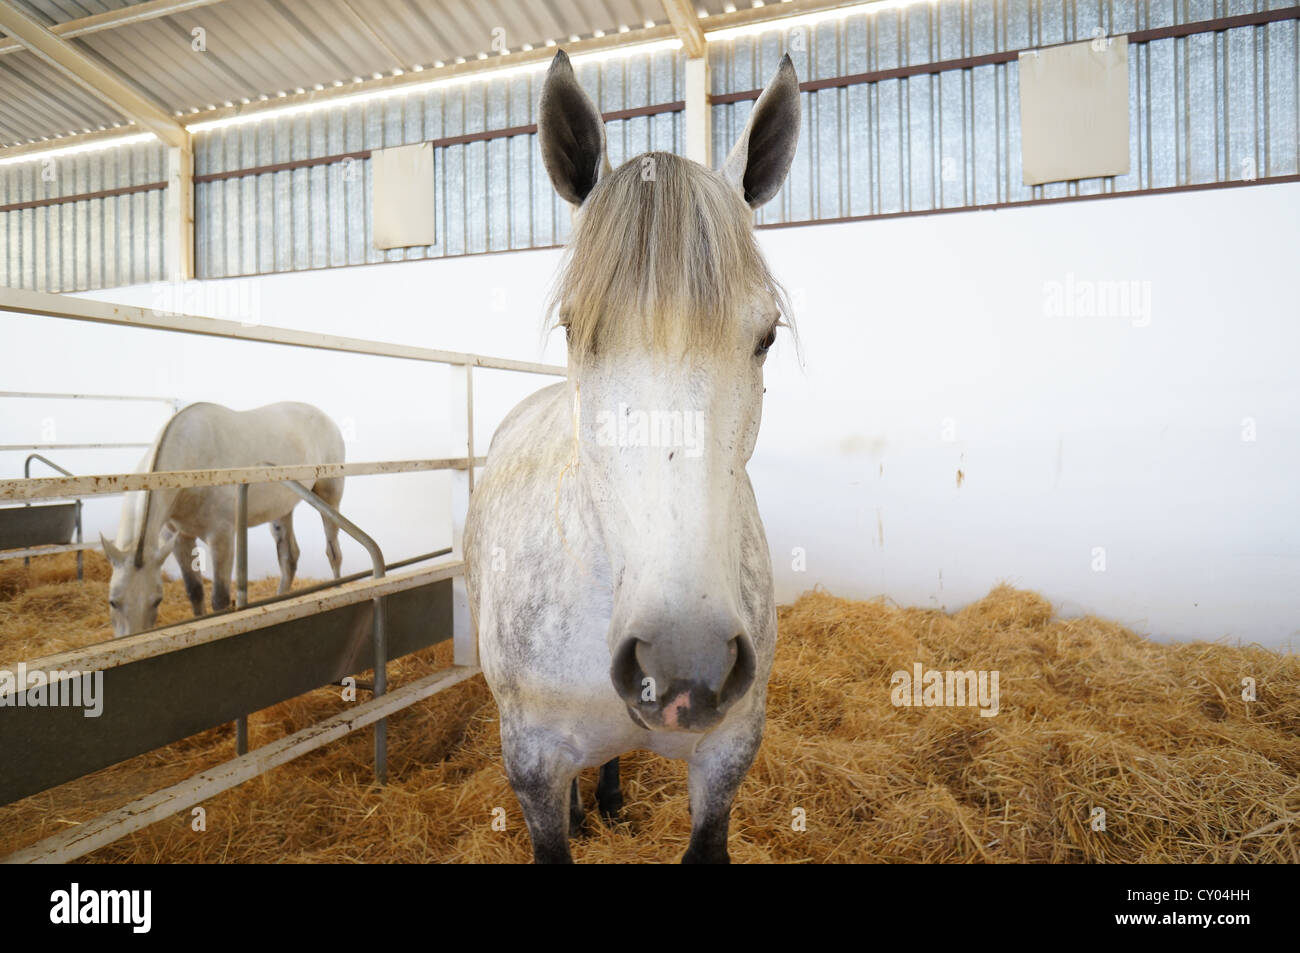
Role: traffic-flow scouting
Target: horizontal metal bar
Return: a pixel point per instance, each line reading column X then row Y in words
column 1029, row 203
column 47, row 550
column 45, row 488
column 72, row 446
column 1216, row 25
column 105, row 829
column 281, row 166
column 102, row 312
column 83, row 196
column 132, row 648
column 41, row 396
column 332, row 583
column 485, row 135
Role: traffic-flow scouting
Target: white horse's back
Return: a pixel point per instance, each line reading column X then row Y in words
column 209, row 435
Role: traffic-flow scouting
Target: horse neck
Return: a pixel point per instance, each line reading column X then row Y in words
column 154, row 510
column 153, row 513
column 156, row 504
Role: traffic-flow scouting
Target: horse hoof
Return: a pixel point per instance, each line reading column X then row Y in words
column 577, row 822
column 693, row 856
column 611, row 808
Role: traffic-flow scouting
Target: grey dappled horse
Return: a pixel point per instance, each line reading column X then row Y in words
column 618, row 571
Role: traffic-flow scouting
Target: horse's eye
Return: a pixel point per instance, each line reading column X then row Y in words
column 114, row 604
column 765, row 345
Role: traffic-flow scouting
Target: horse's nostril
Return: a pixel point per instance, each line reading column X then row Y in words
column 741, row 675
column 626, row 672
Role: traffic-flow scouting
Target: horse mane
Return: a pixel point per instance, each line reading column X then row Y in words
column 665, row 247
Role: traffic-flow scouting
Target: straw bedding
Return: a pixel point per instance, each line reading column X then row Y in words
column 1092, row 716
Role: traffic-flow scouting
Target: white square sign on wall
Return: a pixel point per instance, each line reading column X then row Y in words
column 1074, row 111
column 403, row 196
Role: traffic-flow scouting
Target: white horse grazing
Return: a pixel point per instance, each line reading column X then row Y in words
column 618, row 572
column 157, row 523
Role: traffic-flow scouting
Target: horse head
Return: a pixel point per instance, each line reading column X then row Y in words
column 135, row 588
column 670, row 310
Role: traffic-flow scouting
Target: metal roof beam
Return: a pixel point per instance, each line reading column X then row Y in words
column 102, row 82
column 687, row 24
column 111, row 19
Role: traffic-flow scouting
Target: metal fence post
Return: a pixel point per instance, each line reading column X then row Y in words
column 380, row 631
column 381, row 686
column 241, row 590
column 464, row 639
column 80, row 553
column 27, row 472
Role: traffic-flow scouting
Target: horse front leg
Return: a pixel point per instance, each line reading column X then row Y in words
column 717, row 767
column 222, row 548
column 186, row 554
column 541, row 779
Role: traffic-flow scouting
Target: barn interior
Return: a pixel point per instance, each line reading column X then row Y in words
column 1039, row 421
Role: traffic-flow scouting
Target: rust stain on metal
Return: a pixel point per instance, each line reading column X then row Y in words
column 37, row 488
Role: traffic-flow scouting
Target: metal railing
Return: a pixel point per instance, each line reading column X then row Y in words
column 119, row 652
column 79, row 546
column 173, row 402
column 78, row 543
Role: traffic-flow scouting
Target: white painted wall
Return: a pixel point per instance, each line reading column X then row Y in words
column 931, row 345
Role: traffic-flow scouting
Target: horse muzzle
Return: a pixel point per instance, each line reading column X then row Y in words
column 672, row 684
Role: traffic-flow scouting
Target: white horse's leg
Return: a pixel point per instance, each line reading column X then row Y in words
column 222, row 547
column 332, row 550
column 541, row 777
column 286, row 550
column 183, row 550
column 717, row 767
column 331, row 491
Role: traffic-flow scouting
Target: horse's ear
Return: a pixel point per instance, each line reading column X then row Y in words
column 571, row 134
column 115, row 555
column 760, row 159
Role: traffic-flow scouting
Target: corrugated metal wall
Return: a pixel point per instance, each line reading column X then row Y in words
column 1213, row 107
column 490, row 196
column 96, row 243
